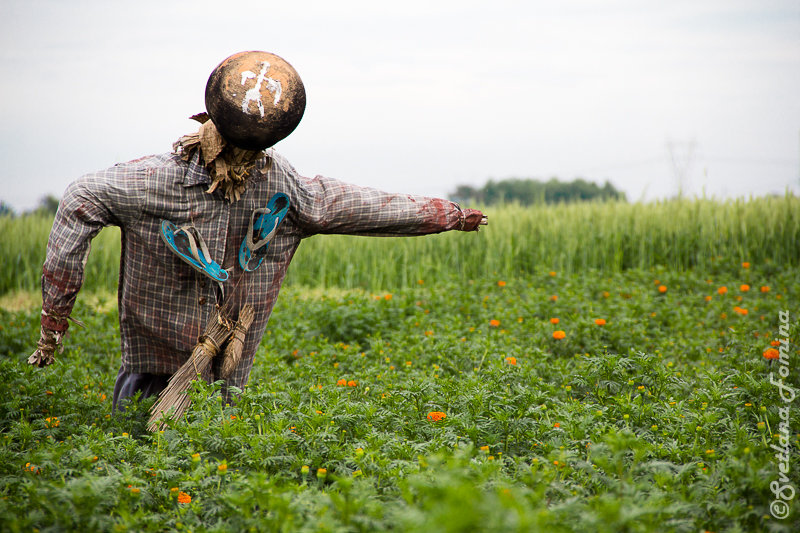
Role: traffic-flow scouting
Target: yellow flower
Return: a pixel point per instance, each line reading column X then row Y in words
column 222, row 469
column 322, row 473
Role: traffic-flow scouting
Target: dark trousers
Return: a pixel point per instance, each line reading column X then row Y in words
column 129, row 384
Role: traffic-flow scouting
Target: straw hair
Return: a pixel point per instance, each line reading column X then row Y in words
column 173, row 400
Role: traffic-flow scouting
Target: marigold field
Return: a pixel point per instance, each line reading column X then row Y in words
column 594, row 367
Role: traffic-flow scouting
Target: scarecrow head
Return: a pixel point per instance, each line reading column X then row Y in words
column 255, row 99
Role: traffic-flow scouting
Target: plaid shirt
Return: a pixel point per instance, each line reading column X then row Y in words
column 164, row 304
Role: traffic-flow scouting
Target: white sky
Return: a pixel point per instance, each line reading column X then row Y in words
column 420, row 96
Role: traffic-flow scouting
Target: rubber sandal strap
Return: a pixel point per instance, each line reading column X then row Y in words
column 194, row 238
column 253, row 245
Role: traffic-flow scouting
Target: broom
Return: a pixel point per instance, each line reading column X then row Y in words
column 173, row 399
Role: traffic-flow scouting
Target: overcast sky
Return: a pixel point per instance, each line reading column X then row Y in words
column 419, row 97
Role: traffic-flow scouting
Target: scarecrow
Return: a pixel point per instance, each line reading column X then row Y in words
column 208, row 231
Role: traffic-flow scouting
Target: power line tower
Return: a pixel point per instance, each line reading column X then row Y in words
column 681, row 155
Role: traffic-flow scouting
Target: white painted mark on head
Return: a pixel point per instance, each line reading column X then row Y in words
column 254, row 94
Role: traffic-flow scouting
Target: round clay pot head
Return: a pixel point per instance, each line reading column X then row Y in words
column 255, row 99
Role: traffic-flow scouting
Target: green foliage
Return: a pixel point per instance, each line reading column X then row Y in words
column 6, row 210
column 612, row 236
column 528, row 192
column 47, row 206
column 661, row 419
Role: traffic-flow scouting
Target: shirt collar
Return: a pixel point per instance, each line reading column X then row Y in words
column 196, row 173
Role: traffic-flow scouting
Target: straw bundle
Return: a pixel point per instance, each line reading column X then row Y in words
column 233, row 350
column 173, row 399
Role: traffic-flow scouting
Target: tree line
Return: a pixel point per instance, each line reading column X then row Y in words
column 531, row 191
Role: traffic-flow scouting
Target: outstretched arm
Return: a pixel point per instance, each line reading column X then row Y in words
column 87, row 206
column 330, row 206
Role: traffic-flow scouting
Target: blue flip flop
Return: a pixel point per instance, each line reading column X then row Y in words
column 188, row 244
column 264, row 224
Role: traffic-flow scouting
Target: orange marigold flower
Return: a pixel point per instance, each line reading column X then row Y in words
column 494, row 323
column 436, row 416
column 745, row 265
column 184, row 498
column 557, row 425
column 501, row 283
column 559, row 334
column 387, row 296
column 352, row 383
column 708, row 298
column 722, row 290
column 775, row 343
column 554, row 297
column 554, row 320
column 764, row 288
column 511, row 360
column 662, row 289
column 744, row 287
column 771, row 353
column 606, row 294
column 342, row 383
column 552, row 273
column 740, row 310
column 600, row 321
